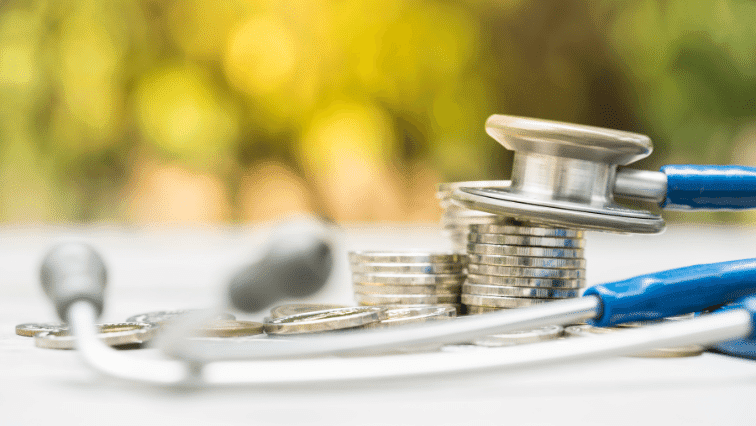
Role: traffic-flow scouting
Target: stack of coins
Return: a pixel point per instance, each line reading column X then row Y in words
column 412, row 278
column 456, row 219
column 515, row 264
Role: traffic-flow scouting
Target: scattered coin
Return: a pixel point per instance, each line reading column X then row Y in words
column 674, row 352
column 113, row 334
column 409, row 315
column 31, row 329
column 301, row 308
column 521, row 337
column 326, row 320
column 163, row 317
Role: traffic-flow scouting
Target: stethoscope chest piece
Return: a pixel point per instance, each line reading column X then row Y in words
column 563, row 175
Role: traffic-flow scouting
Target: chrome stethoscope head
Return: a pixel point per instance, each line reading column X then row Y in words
column 564, row 175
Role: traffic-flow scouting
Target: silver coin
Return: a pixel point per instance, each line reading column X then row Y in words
column 524, row 272
column 162, row 317
column 413, row 315
column 408, row 279
column 409, row 268
column 502, row 250
column 112, row 334
column 301, row 308
column 527, row 241
column 30, row 329
column 536, row 231
column 526, row 282
column 404, row 257
column 550, row 332
column 401, row 299
column 673, row 352
column 326, row 320
column 428, row 289
column 500, row 290
column 529, row 262
column 475, row 310
column 501, row 301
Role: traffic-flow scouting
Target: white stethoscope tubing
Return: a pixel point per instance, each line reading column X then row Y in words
column 704, row 330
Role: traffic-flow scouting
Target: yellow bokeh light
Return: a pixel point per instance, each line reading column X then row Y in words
column 180, row 111
column 261, row 55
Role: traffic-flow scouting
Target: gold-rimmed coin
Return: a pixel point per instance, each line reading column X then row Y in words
column 30, row 329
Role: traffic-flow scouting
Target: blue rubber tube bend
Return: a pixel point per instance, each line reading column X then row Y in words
column 691, row 187
column 674, row 292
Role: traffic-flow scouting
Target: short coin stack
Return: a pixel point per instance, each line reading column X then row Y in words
column 410, row 278
column 514, row 264
column 456, row 219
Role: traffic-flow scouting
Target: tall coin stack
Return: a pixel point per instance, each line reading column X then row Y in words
column 516, row 264
column 411, row 278
column 456, row 219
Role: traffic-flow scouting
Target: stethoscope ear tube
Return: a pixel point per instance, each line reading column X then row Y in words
column 674, row 292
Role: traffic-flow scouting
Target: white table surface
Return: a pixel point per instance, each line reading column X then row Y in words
column 154, row 269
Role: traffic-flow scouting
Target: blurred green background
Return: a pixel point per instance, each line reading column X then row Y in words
column 233, row 111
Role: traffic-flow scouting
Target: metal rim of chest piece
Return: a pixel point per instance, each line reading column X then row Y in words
column 112, row 334
column 562, row 175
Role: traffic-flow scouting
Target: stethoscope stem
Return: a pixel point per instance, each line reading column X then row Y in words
column 708, row 329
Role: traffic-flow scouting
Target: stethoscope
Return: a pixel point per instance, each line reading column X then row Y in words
column 567, row 176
